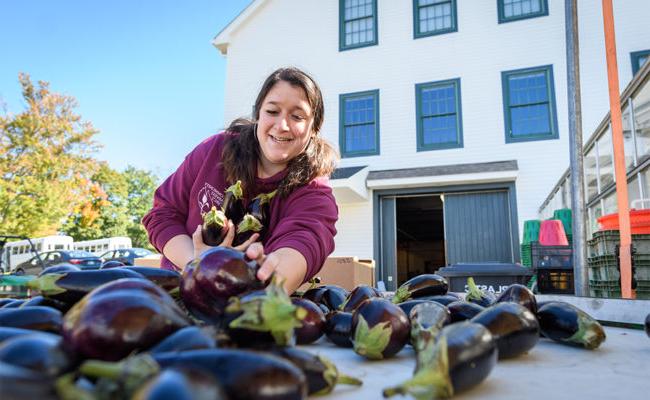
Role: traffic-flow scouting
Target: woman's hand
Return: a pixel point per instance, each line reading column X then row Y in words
column 286, row 262
column 200, row 247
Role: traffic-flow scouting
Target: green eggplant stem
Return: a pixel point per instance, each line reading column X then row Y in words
column 371, row 342
column 46, row 284
column 402, row 294
column 67, row 390
column 265, row 197
column 214, row 217
column 590, row 333
column 102, row 369
column 249, row 223
column 474, row 292
column 349, row 380
column 236, row 190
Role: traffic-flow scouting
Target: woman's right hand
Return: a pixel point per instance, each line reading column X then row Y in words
column 200, row 247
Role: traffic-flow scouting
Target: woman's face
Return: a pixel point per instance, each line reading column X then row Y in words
column 283, row 127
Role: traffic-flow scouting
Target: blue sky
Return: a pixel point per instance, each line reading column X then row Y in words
column 143, row 72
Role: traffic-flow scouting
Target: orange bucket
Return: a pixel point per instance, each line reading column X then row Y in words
column 639, row 221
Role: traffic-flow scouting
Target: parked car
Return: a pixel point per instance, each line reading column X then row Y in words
column 82, row 259
column 127, row 256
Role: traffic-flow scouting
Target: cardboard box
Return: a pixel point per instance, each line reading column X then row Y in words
column 347, row 272
column 152, row 260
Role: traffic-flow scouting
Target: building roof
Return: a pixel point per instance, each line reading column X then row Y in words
column 344, row 173
column 222, row 39
column 496, row 166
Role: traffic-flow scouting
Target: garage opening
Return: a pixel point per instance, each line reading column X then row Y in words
column 420, row 236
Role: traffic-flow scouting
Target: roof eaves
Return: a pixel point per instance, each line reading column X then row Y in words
column 222, row 39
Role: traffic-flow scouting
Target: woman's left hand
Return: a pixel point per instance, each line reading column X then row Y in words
column 268, row 263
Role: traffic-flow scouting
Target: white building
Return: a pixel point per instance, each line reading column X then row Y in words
column 451, row 116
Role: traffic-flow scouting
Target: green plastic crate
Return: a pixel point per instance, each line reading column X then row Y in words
column 603, row 269
column 531, row 231
column 564, row 215
column 605, row 290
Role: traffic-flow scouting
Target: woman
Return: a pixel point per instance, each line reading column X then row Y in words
column 280, row 149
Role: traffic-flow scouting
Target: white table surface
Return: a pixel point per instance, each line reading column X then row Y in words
column 619, row 369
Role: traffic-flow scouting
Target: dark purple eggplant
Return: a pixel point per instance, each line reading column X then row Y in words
column 259, row 208
column 427, row 320
column 334, row 296
column 181, row 384
column 476, row 295
column 112, row 264
column 322, row 375
column 165, row 278
column 567, row 324
column 121, row 317
column 311, row 327
column 210, row 280
column 243, row 374
column 519, row 294
column 7, row 332
column 463, row 355
column 408, row 305
column 36, row 318
column 188, row 338
column 248, row 226
column 357, row 296
column 338, row 327
column 233, row 203
column 462, row 310
column 21, row 384
column 39, row 353
column 60, row 268
column 380, row 329
column 421, row 285
column 324, row 309
column 647, row 325
column 513, row 326
column 444, row 299
column 6, row 301
column 315, row 294
column 214, row 227
column 46, row 302
column 15, row 303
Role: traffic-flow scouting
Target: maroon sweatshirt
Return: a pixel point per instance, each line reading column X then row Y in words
column 303, row 221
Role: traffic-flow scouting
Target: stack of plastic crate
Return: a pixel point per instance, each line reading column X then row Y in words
column 554, row 268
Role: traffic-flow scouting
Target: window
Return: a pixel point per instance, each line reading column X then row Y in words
column 357, row 23
column 359, row 124
column 433, row 17
column 439, row 120
column 638, row 59
column 514, row 10
column 529, row 104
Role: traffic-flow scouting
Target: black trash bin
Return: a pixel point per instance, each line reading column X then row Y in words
column 489, row 276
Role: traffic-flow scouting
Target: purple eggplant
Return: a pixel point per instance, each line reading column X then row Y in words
column 248, row 226
column 181, row 384
column 408, row 305
column 315, row 294
column 476, row 295
column 567, row 324
column 444, row 299
column 519, row 294
column 233, row 203
column 513, row 326
column 380, row 329
column 463, row 355
column 188, row 338
column 421, row 285
column 462, row 310
column 40, row 353
column 647, row 325
column 59, row 268
column 357, row 296
column 427, row 320
column 5, row 301
column 112, row 264
column 210, row 280
column 15, row 303
column 165, row 278
column 338, row 327
column 7, row 332
column 36, row 318
column 311, row 327
column 243, row 374
column 121, row 317
column 46, row 302
column 322, row 375
column 214, row 228
column 259, row 208
column 19, row 383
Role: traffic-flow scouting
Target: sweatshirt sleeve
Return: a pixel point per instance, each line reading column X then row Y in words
column 169, row 214
column 308, row 226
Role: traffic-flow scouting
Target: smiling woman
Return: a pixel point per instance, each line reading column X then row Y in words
column 279, row 157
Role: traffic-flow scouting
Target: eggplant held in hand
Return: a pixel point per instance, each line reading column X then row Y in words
column 513, row 326
column 181, row 384
column 567, row 324
column 421, row 285
column 233, row 203
column 121, row 317
column 519, row 294
column 380, row 329
column 248, row 226
column 259, row 208
column 478, row 296
column 210, row 280
column 214, row 228
column 357, row 296
column 462, row 357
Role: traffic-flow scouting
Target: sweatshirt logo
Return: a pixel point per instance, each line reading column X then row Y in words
column 209, row 196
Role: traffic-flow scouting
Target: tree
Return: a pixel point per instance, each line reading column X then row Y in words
column 141, row 187
column 45, row 161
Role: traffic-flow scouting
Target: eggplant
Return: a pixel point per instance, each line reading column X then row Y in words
column 112, row 264
column 233, row 203
column 329, row 296
column 46, row 302
column 478, row 296
column 7, row 332
column 59, row 268
column 6, row 301
column 567, row 324
column 121, row 317
column 519, row 294
column 210, row 280
column 408, row 305
column 462, row 310
column 248, row 226
column 36, row 318
column 39, row 353
column 214, row 227
column 311, row 327
column 421, row 285
column 338, row 327
column 243, row 374
column 444, row 299
column 15, row 303
column 513, row 326
column 188, row 338
column 259, row 208
column 181, row 384
column 463, row 355
column 21, row 384
column 322, row 375
column 427, row 320
column 165, row 278
column 315, row 294
column 647, row 325
column 380, row 329
column 357, row 296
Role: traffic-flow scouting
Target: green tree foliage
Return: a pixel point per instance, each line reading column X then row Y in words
column 45, row 161
column 141, row 187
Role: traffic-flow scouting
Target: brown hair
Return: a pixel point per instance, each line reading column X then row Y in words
column 241, row 152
